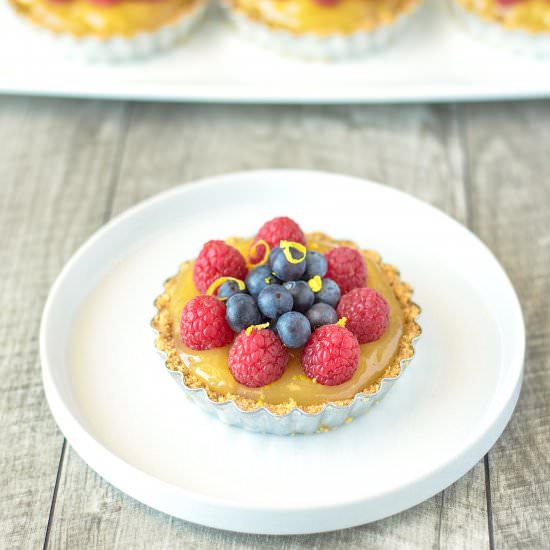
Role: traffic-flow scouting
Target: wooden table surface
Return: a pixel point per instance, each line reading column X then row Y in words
column 67, row 166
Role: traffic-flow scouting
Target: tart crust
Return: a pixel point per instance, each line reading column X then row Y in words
column 165, row 343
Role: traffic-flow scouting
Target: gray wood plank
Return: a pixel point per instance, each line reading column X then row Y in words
column 413, row 148
column 509, row 166
column 55, row 179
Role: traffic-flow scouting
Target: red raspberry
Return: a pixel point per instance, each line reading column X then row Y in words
column 203, row 324
column 258, row 358
column 346, row 268
column 331, row 356
column 367, row 313
column 276, row 230
column 217, row 259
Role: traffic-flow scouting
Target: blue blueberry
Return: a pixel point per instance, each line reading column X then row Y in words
column 241, row 312
column 316, row 264
column 302, row 295
column 282, row 268
column 228, row 289
column 321, row 314
column 274, row 300
column 293, row 329
column 329, row 294
column 258, row 278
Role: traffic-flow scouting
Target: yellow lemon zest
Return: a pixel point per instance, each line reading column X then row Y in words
column 255, row 327
column 316, row 283
column 219, row 282
column 287, row 245
column 252, row 252
column 342, row 322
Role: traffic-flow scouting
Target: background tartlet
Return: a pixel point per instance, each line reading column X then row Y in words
column 305, row 28
column 522, row 26
column 120, row 31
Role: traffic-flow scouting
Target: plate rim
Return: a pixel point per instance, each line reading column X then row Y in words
column 103, row 460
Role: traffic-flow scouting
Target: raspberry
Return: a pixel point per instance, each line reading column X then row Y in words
column 346, row 267
column 367, row 313
column 331, row 356
column 276, row 230
column 203, row 324
column 217, row 259
column 257, row 358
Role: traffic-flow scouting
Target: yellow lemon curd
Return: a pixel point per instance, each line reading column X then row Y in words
column 307, row 16
column 530, row 15
column 84, row 18
column 211, row 369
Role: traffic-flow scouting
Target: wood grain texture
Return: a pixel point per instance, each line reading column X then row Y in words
column 54, row 192
column 509, row 173
column 413, row 148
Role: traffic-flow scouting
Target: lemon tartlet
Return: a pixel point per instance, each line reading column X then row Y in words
column 293, row 403
column 519, row 25
column 108, row 30
column 321, row 28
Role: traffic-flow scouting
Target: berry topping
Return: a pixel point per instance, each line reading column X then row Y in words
column 329, row 293
column 274, row 300
column 287, row 264
column 301, row 294
column 321, row 314
column 293, row 329
column 367, row 312
column 316, row 264
column 203, row 325
column 346, row 268
column 217, row 259
column 257, row 358
column 276, row 230
column 242, row 311
column 331, row 356
column 258, row 278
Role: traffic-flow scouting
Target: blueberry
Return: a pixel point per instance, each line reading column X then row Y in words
column 282, row 268
column 315, row 264
column 258, row 278
column 301, row 293
column 329, row 294
column 321, row 314
column 293, row 329
column 241, row 312
column 274, row 300
column 228, row 289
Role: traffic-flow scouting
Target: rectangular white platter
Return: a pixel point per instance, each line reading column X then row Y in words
column 434, row 60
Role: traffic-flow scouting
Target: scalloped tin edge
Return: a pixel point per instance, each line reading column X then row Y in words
column 296, row 421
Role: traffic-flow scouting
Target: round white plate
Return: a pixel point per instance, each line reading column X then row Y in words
column 123, row 414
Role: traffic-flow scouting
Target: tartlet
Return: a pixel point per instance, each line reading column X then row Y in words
column 109, row 30
column 321, row 30
column 522, row 26
column 293, row 403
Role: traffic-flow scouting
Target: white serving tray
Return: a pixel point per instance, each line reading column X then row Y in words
column 433, row 61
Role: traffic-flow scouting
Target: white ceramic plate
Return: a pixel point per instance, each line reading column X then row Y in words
column 434, row 60
column 124, row 415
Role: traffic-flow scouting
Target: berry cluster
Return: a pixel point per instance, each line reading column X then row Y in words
column 291, row 298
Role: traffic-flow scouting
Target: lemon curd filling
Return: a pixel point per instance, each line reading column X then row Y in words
column 531, row 15
column 210, row 368
column 308, row 16
column 121, row 18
